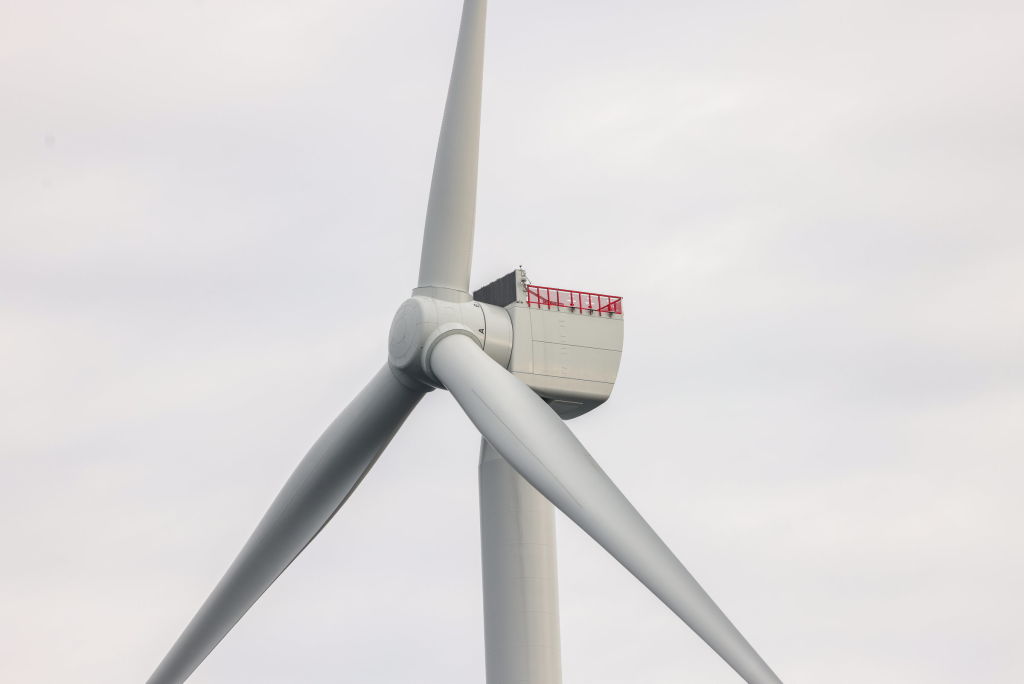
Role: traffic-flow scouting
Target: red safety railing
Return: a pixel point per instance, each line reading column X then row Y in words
column 549, row 297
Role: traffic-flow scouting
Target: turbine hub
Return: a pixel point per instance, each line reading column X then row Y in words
column 421, row 322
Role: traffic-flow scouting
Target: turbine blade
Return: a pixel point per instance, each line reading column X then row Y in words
column 321, row 483
column 529, row 434
column 451, row 210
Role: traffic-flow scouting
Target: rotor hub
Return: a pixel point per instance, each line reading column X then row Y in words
column 421, row 322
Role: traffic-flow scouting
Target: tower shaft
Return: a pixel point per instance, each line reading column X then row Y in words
column 517, row 528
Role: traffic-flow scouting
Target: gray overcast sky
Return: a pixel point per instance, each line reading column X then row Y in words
column 210, row 210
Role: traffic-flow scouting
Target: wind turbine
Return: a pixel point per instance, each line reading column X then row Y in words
column 518, row 359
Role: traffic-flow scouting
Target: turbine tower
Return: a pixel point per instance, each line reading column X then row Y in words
column 519, row 359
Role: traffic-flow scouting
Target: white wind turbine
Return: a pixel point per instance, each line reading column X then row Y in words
column 518, row 359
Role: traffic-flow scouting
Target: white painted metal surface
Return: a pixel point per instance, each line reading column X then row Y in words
column 567, row 356
column 420, row 321
column 441, row 338
column 447, row 253
column 517, row 535
column 321, row 483
column 565, row 351
column 532, row 438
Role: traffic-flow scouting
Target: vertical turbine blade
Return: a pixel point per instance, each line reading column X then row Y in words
column 451, row 211
column 316, row 490
column 532, row 438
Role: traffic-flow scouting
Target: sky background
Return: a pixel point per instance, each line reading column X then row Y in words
column 209, row 212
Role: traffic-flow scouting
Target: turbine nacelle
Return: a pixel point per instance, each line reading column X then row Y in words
column 565, row 345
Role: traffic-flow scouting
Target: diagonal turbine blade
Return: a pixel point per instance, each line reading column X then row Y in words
column 316, row 490
column 451, row 210
column 541, row 447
